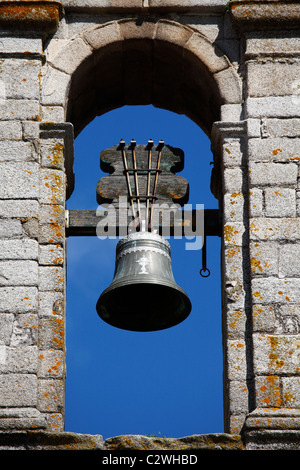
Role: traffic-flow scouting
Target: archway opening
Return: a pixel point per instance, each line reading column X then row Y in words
column 162, row 383
column 146, row 72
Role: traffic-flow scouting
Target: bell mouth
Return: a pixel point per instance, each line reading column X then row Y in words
column 143, row 306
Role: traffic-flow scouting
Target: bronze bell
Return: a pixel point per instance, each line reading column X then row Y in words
column 143, row 295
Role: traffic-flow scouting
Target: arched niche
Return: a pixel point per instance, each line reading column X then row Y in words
column 137, row 62
column 171, row 66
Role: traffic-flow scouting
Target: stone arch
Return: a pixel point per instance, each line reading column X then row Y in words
column 140, row 61
column 159, row 62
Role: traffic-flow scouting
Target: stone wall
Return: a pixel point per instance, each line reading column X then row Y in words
column 239, row 68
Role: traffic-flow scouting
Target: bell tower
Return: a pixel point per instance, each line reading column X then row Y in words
column 237, row 77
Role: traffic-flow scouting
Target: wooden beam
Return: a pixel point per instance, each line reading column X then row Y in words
column 84, row 223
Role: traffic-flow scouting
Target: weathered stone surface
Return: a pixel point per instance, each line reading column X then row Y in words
column 236, row 353
column 272, row 78
column 51, row 395
column 288, row 319
column 238, row 396
column 289, row 262
column 12, row 44
column 268, row 174
column 43, row 440
column 210, row 26
column 250, row 15
column 254, row 128
column 234, row 233
column 256, row 201
column 18, row 299
column 203, row 48
column 11, row 130
column 280, row 128
column 275, row 228
column 277, row 149
column 53, row 114
column 272, row 429
column 233, row 180
column 31, row 227
column 273, row 106
column 51, row 304
column 34, row 16
column 11, row 208
column 31, row 130
column 206, row 4
column 264, row 258
column 51, row 364
column 234, row 207
column 51, row 333
column 16, row 273
column 273, row 290
column 205, row 441
column 102, row 4
column 229, row 85
column 72, row 56
column 234, row 263
column 20, row 78
column 52, row 153
column 268, row 391
column 280, row 440
column 276, row 355
column 52, row 190
column 258, row 44
column 264, row 318
column 18, row 390
column 10, row 228
column 232, row 153
column 236, row 320
column 51, row 255
column 6, row 327
column 18, row 249
column 63, row 441
column 280, row 202
column 172, row 32
column 231, row 112
column 290, row 392
column 103, row 35
column 55, row 88
column 20, row 360
column 55, row 422
column 12, row 109
column 51, row 233
column 25, row 330
column 18, row 419
column 19, row 181
column 52, row 213
column 51, row 278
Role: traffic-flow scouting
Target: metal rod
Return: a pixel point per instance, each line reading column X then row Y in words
column 204, row 272
column 150, row 144
column 204, row 267
column 160, row 146
column 122, row 144
column 133, row 144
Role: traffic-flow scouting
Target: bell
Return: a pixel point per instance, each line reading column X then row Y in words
column 143, row 295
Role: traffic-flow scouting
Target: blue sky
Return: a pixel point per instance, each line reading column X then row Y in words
column 169, row 382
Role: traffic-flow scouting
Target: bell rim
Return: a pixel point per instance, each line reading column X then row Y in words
column 171, row 286
column 122, row 283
